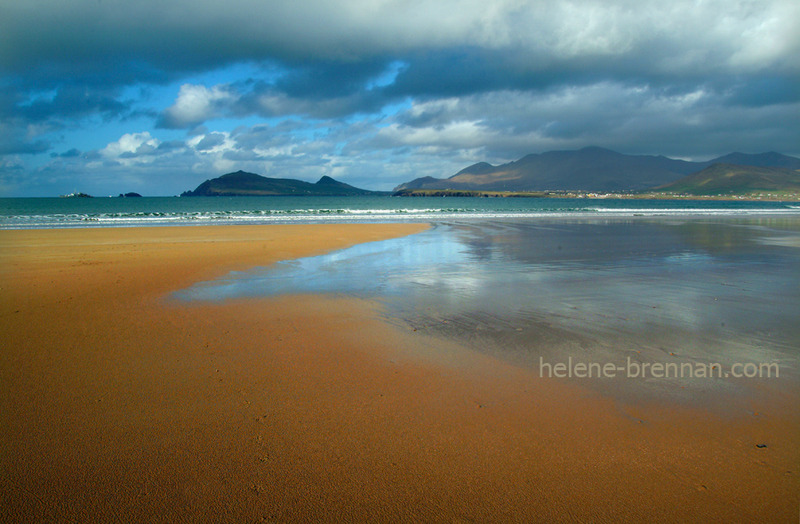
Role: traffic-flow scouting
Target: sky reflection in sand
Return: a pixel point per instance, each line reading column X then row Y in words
column 704, row 289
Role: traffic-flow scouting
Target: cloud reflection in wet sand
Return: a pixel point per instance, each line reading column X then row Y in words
column 596, row 289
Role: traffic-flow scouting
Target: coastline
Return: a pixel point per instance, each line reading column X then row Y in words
column 44, row 213
column 122, row 405
column 787, row 197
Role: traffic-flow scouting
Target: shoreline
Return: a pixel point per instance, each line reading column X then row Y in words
column 792, row 198
column 119, row 404
column 23, row 214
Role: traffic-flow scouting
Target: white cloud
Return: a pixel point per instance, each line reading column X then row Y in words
column 131, row 147
column 196, row 104
column 456, row 134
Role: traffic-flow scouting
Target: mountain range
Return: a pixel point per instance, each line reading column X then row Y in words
column 591, row 169
column 600, row 170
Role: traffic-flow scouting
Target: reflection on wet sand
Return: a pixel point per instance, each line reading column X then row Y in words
column 650, row 290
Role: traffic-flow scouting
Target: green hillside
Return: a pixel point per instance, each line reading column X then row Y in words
column 729, row 179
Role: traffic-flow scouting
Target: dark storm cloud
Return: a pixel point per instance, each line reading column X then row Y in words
column 331, row 50
column 758, row 92
column 72, row 102
column 329, row 79
column 12, row 145
column 118, row 42
column 103, row 39
column 468, row 70
column 323, row 89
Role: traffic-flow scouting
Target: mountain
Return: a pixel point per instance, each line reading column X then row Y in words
column 588, row 169
column 770, row 159
column 242, row 183
column 729, row 179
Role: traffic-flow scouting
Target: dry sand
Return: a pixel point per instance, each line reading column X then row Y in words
column 117, row 403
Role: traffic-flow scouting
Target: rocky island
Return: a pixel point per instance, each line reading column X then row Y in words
column 242, row 183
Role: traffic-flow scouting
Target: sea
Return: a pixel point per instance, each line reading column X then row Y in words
column 24, row 213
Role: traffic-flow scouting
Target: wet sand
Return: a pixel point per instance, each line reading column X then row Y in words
column 118, row 402
column 693, row 294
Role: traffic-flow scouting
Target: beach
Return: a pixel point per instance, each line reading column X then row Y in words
column 121, row 402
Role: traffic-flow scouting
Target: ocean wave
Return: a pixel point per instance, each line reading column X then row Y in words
column 364, row 214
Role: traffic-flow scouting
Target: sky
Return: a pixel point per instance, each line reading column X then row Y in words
column 156, row 96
